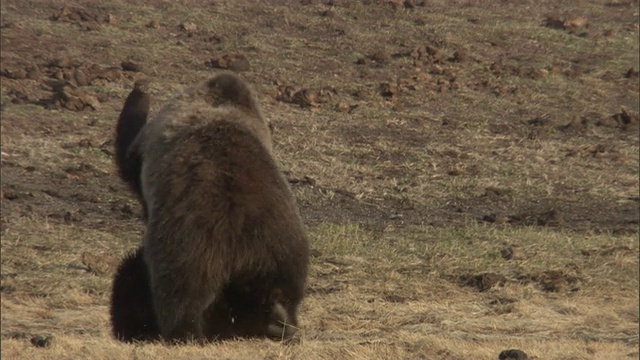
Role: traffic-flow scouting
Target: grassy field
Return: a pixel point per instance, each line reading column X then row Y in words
column 468, row 171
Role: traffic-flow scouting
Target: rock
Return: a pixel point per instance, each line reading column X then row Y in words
column 513, row 354
column 483, row 282
column 388, row 89
column 42, row 340
column 236, row 62
column 631, row 73
column 131, row 66
column 189, row 27
column 342, row 107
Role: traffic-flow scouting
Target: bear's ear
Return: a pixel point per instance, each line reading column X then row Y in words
column 229, row 88
column 132, row 119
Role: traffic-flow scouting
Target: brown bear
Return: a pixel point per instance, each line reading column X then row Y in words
column 225, row 250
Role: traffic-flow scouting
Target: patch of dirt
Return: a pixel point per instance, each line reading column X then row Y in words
column 306, row 97
column 571, row 22
column 77, row 195
column 609, row 251
column 547, row 281
column 621, row 217
column 483, row 282
column 60, row 83
column 552, row 281
column 234, row 62
column 81, row 14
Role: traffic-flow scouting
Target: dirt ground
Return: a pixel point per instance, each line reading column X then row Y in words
column 468, row 171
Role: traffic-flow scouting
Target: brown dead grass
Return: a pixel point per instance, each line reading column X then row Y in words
column 395, row 295
column 409, row 198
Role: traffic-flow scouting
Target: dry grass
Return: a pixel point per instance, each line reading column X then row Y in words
column 395, row 295
column 409, row 199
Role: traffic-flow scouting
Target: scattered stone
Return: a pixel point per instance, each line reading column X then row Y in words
column 511, row 252
column 538, row 73
column 483, row 282
column 85, row 143
column 235, row 62
column 552, row 281
column 395, row 4
column 364, row 61
column 153, row 24
column 499, row 68
column 71, row 97
column 306, row 180
column 513, row 354
column 426, row 55
column 342, row 107
column 312, row 97
column 380, row 56
column 552, row 217
column 126, row 209
column 16, row 74
column 189, row 27
column 495, row 192
column 578, row 123
column 285, row 93
column 475, row 21
column 63, row 62
column 328, row 13
column 624, row 120
column 306, row 97
column 460, row 56
column 12, row 25
column 456, row 171
column 42, row 341
column 388, row 89
column 569, row 22
column 70, row 217
column 112, row 74
column 607, row 121
column 100, row 265
column 409, row 4
column 631, row 73
column 540, row 121
column 453, row 123
column 77, row 14
column 81, row 78
column 34, row 73
column 315, row 253
column 625, row 117
column 575, row 22
column 131, row 66
column 554, row 22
